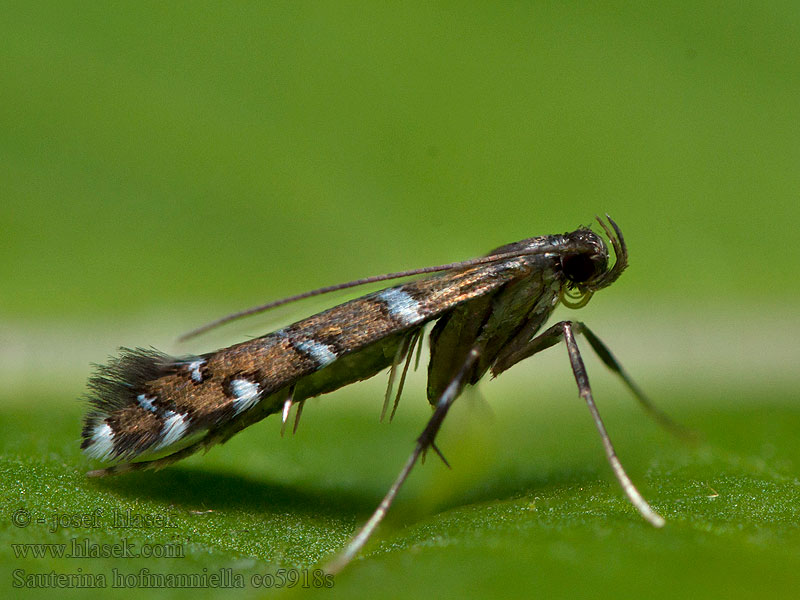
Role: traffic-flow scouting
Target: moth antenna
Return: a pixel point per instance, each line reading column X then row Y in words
column 351, row 284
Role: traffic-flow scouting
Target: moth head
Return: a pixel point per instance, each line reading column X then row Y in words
column 584, row 262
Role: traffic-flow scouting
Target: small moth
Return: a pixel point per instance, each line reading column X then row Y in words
column 150, row 409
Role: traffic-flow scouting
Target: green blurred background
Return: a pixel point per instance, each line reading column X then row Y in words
column 166, row 163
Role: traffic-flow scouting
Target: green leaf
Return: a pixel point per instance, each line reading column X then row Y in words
column 529, row 506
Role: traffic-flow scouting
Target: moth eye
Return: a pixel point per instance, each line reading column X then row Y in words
column 579, row 267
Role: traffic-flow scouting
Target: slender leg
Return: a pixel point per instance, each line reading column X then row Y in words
column 400, row 354
column 297, row 414
column 409, row 354
column 419, row 349
column 550, row 337
column 579, row 370
column 424, row 441
column 287, row 406
column 611, row 362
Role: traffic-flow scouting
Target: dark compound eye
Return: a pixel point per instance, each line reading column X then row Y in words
column 579, row 267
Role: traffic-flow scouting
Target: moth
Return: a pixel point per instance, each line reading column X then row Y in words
column 149, row 409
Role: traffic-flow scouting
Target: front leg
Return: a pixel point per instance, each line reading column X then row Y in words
column 549, row 338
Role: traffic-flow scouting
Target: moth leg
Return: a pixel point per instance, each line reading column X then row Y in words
column 424, row 441
column 297, row 414
column 419, row 349
column 579, row 370
column 409, row 353
column 287, row 406
column 610, row 361
column 549, row 338
column 399, row 355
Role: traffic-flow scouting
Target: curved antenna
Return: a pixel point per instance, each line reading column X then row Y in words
column 620, row 253
column 357, row 282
